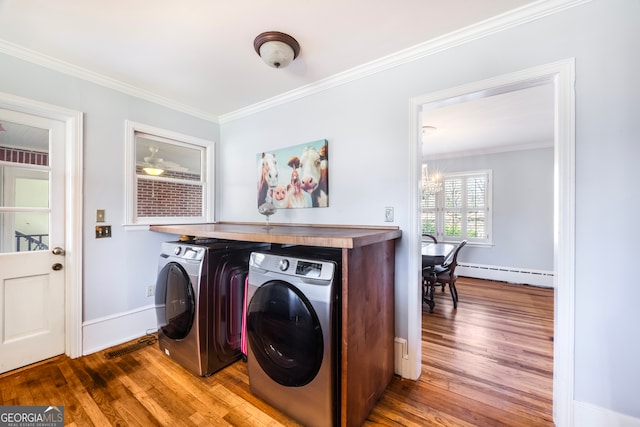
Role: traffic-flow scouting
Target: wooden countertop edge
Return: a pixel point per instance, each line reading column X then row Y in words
column 337, row 236
column 337, row 226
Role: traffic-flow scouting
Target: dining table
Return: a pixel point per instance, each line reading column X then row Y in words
column 433, row 254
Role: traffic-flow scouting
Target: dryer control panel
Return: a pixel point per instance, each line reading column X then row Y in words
column 182, row 251
column 312, row 269
column 308, row 268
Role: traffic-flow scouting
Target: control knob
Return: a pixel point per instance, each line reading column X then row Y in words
column 177, row 250
column 283, row 264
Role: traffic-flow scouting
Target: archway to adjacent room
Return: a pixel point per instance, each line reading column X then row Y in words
column 561, row 76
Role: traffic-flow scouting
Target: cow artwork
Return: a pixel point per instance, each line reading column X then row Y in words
column 313, row 165
column 302, row 183
column 267, row 177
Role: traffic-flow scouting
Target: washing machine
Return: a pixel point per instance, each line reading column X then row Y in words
column 199, row 302
column 293, row 334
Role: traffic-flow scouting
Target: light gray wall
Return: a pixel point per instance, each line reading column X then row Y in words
column 117, row 270
column 522, row 211
column 366, row 124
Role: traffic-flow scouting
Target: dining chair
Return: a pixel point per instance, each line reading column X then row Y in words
column 446, row 274
column 428, row 237
column 426, row 270
column 427, row 291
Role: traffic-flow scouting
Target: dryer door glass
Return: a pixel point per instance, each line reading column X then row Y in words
column 175, row 303
column 285, row 334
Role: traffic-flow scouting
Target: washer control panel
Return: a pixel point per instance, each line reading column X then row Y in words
column 308, row 268
column 312, row 269
column 182, row 251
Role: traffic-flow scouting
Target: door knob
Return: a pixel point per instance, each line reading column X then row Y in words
column 57, row 266
column 58, row 251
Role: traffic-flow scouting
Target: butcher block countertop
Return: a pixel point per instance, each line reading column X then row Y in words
column 308, row 235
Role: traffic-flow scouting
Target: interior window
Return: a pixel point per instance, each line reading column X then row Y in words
column 169, row 175
column 24, row 188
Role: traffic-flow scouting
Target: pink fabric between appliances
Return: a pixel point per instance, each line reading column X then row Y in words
column 243, row 335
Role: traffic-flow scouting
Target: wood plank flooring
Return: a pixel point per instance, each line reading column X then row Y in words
column 488, row 363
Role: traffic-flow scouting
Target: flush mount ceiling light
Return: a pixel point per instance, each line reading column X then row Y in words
column 276, row 49
column 429, row 130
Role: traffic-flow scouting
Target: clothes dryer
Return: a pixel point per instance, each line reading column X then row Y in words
column 199, row 302
column 293, row 333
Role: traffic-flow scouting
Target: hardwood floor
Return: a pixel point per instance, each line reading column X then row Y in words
column 488, row 363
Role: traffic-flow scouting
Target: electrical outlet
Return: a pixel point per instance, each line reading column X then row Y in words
column 388, row 214
column 150, row 290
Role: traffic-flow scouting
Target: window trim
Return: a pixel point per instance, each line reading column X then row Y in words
column 131, row 219
column 440, row 209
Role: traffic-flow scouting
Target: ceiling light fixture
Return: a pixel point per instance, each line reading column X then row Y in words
column 153, row 171
column 276, row 49
column 429, row 130
column 153, row 167
column 431, row 184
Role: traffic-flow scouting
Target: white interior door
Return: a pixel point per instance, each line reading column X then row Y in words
column 32, row 226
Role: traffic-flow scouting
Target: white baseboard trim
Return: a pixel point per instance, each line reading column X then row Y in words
column 588, row 415
column 108, row 331
column 525, row 276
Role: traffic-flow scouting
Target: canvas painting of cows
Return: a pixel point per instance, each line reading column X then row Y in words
column 295, row 177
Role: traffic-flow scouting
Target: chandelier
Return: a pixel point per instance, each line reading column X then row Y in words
column 431, row 184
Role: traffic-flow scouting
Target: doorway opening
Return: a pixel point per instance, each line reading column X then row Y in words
column 67, row 195
column 561, row 76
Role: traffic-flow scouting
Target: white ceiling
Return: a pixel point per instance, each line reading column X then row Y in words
column 517, row 119
column 199, row 53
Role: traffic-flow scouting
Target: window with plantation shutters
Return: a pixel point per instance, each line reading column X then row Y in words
column 459, row 208
column 428, row 213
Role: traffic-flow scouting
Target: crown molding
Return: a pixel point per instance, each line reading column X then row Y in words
column 63, row 67
column 514, row 18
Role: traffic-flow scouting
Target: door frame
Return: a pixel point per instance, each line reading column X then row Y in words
column 562, row 75
column 72, row 121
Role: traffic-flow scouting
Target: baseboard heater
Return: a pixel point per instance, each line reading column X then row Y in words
column 506, row 274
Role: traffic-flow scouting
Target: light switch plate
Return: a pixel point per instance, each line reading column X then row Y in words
column 388, row 214
column 100, row 215
column 103, row 231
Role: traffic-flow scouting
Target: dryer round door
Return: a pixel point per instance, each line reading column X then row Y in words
column 285, row 334
column 175, row 302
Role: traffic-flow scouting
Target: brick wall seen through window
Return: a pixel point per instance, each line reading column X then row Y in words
column 29, row 157
column 159, row 198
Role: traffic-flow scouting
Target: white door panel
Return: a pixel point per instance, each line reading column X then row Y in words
column 32, row 310
column 32, row 222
